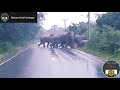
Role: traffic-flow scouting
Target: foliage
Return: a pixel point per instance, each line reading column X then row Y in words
column 107, row 41
column 17, row 33
column 111, row 19
column 81, row 27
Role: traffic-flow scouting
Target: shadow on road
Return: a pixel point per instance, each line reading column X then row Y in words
column 52, row 52
column 68, row 51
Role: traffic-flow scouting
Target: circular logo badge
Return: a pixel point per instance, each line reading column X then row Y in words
column 111, row 68
column 4, row 17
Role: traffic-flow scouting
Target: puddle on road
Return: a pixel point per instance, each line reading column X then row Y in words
column 52, row 52
column 72, row 55
column 68, row 51
column 94, row 69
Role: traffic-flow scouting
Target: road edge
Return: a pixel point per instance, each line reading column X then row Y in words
column 89, row 56
column 16, row 55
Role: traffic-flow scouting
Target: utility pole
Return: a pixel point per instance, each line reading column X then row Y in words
column 89, row 25
column 54, row 28
column 65, row 22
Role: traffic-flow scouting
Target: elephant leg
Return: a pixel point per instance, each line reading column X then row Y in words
column 66, row 45
column 60, row 45
column 48, row 44
column 51, row 45
column 44, row 45
column 82, row 44
column 72, row 46
column 57, row 45
column 54, row 45
column 78, row 45
column 39, row 44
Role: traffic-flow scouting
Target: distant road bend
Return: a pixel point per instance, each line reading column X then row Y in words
column 39, row 62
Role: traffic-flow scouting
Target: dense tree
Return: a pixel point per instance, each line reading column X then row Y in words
column 16, row 33
column 106, row 37
column 107, row 41
column 111, row 18
column 81, row 27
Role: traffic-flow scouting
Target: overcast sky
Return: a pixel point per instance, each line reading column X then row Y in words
column 56, row 18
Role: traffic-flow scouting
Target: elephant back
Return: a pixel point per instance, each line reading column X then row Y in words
column 45, row 38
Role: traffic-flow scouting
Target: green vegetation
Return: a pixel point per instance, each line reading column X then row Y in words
column 78, row 28
column 107, row 41
column 15, row 36
column 104, row 37
column 103, row 55
column 111, row 19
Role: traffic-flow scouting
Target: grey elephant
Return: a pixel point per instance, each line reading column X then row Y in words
column 83, row 43
column 66, row 39
column 45, row 38
column 78, row 39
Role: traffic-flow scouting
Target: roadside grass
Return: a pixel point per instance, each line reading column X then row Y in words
column 13, row 50
column 103, row 55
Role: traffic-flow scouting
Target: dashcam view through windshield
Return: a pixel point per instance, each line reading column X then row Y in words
column 59, row 44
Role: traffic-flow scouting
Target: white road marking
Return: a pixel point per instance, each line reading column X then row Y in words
column 14, row 56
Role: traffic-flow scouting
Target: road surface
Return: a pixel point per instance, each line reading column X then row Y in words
column 39, row 62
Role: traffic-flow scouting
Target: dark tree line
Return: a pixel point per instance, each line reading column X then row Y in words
column 111, row 18
column 81, row 27
column 16, row 33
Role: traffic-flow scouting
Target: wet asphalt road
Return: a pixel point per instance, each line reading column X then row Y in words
column 51, row 63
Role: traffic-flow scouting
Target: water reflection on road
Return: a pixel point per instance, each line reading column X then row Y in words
column 52, row 63
column 76, row 65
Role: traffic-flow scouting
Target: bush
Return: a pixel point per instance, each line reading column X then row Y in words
column 107, row 41
column 5, row 46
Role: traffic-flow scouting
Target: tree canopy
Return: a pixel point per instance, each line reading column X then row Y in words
column 111, row 18
column 16, row 33
column 107, row 35
column 81, row 27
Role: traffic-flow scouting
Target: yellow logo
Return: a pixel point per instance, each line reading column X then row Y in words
column 111, row 73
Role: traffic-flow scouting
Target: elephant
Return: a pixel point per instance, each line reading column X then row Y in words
column 58, row 39
column 83, row 43
column 79, row 38
column 62, row 45
column 44, row 39
column 65, row 40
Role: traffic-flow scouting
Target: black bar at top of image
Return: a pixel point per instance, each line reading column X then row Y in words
column 32, row 19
